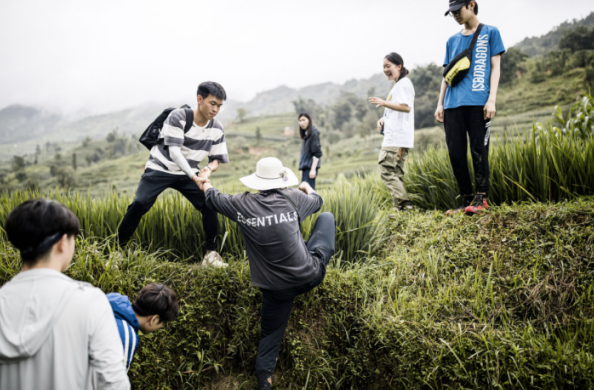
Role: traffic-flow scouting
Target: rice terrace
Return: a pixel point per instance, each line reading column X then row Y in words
column 417, row 299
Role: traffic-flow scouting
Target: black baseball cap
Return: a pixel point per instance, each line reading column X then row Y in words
column 455, row 5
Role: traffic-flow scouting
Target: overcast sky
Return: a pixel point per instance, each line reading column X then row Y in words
column 111, row 54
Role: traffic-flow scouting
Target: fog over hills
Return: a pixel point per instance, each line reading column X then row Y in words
column 22, row 127
column 19, row 124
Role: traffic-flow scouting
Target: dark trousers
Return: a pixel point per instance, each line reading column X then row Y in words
column 277, row 304
column 305, row 177
column 459, row 122
column 152, row 184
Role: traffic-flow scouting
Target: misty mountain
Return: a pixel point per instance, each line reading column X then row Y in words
column 545, row 43
column 280, row 99
column 19, row 123
column 130, row 121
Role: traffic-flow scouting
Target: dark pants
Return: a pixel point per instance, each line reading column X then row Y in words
column 305, row 177
column 277, row 304
column 459, row 122
column 152, row 184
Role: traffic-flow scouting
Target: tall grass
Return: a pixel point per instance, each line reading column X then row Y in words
column 546, row 165
column 361, row 223
column 174, row 224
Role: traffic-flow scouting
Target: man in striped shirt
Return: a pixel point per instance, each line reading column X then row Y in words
column 174, row 163
column 154, row 305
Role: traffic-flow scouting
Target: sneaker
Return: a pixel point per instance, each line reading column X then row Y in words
column 479, row 204
column 466, row 201
column 213, row 259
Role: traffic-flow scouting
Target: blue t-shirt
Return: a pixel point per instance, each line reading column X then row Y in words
column 474, row 89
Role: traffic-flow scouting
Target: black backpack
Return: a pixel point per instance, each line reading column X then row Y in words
column 150, row 137
column 459, row 67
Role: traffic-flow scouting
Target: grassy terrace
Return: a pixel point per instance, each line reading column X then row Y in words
column 501, row 301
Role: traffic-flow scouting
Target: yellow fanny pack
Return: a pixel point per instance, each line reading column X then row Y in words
column 459, row 67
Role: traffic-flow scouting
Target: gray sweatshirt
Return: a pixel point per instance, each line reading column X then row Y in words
column 278, row 256
column 58, row 333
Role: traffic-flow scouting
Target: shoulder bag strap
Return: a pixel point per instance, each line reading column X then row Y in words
column 189, row 118
column 475, row 37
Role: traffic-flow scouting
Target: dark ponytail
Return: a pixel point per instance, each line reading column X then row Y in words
column 396, row 59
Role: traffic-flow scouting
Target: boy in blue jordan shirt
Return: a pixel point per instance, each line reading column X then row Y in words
column 154, row 305
column 469, row 107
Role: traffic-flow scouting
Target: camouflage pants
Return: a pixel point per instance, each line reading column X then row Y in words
column 392, row 171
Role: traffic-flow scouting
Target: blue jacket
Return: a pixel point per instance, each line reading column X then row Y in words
column 127, row 324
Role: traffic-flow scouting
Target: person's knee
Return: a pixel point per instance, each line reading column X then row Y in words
column 327, row 217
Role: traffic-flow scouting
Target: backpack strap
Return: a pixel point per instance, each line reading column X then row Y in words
column 189, row 118
column 475, row 37
column 290, row 201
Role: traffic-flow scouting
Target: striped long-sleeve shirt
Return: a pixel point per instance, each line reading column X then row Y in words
column 127, row 325
column 196, row 144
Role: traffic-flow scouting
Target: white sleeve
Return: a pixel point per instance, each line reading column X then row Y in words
column 105, row 347
column 404, row 93
column 182, row 163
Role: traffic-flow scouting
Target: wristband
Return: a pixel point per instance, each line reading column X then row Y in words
column 209, row 168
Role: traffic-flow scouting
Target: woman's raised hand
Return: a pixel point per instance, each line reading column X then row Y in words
column 377, row 101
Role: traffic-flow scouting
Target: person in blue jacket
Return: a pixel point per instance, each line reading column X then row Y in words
column 154, row 305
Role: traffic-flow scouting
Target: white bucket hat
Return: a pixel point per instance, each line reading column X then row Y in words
column 270, row 174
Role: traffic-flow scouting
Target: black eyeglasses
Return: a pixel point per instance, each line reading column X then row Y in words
column 455, row 13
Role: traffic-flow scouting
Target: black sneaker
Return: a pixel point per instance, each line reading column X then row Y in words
column 466, row 201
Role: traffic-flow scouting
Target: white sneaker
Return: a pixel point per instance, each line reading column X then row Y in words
column 213, row 259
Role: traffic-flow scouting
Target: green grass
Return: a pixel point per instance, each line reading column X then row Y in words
column 501, row 301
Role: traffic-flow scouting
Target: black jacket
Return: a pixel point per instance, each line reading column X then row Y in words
column 309, row 149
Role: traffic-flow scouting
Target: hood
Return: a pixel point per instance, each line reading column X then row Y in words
column 30, row 305
column 122, row 309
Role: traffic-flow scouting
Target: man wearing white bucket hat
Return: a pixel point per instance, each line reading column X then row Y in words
column 282, row 264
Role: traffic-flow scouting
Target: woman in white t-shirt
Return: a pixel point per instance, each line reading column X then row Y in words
column 398, row 125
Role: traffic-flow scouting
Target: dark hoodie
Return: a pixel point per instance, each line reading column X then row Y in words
column 311, row 148
column 127, row 324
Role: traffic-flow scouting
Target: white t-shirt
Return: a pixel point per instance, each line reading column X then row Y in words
column 399, row 127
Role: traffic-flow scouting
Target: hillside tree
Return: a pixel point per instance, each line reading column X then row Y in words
column 510, row 64
column 258, row 135
column 301, row 105
column 18, row 163
column 582, row 38
column 241, row 114
column 342, row 113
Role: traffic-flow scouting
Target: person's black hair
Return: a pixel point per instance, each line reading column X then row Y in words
column 304, row 133
column 36, row 225
column 396, row 59
column 158, row 299
column 475, row 6
column 211, row 88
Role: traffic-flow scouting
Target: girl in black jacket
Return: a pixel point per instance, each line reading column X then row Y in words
column 311, row 151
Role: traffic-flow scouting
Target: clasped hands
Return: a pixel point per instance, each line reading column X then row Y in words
column 202, row 178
